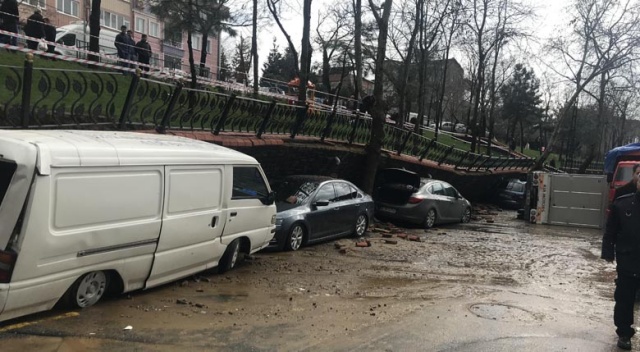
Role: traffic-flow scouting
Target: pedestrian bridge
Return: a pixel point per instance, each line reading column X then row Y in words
column 286, row 138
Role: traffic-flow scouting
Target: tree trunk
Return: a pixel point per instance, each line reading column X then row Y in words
column 203, row 52
column 254, row 48
column 377, row 126
column 305, row 54
column 192, row 65
column 94, row 30
column 357, row 11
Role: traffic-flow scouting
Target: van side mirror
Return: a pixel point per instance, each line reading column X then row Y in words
column 269, row 199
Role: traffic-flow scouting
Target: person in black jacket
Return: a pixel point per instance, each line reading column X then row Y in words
column 49, row 35
column 630, row 187
column 10, row 16
column 143, row 49
column 34, row 28
column 621, row 241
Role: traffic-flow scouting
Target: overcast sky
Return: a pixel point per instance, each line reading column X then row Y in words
column 548, row 23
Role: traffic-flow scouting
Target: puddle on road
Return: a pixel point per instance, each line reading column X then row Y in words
column 502, row 312
column 224, row 298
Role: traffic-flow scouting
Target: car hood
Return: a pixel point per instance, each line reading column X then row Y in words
column 285, row 210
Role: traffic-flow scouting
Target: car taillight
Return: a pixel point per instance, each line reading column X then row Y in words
column 7, row 262
column 414, row 200
column 612, row 193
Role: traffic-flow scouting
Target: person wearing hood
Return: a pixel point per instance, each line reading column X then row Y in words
column 35, row 29
column 621, row 242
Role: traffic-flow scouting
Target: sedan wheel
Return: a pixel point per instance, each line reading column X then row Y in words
column 361, row 225
column 295, row 238
column 430, row 220
column 466, row 216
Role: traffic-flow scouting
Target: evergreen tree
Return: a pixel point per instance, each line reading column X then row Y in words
column 225, row 67
column 521, row 101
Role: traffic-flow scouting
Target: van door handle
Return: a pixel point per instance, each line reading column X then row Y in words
column 214, row 221
column 233, row 213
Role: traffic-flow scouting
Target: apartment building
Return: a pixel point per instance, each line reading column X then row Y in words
column 169, row 49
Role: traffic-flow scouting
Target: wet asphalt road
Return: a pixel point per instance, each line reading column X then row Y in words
column 501, row 286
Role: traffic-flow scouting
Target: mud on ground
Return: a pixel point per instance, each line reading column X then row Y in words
column 293, row 300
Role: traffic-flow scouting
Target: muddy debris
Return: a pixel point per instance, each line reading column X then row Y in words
column 182, row 301
column 387, row 235
column 391, row 241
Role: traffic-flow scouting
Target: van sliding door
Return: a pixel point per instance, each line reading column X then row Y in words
column 192, row 223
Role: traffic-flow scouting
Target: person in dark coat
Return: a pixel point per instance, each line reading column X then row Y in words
column 621, row 241
column 50, row 35
column 629, row 187
column 10, row 18
column 131, row 43
column 34, row 28
column 143, row 49
column 121, row 44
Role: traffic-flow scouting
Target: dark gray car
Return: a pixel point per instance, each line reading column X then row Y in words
column 316, row 208
column 404, row 195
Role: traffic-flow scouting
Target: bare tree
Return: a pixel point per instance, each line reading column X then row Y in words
column 275, row 7
column 377, row 127
column 605, row 36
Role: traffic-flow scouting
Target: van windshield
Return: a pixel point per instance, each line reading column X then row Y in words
column 68, row 39
column 7, row 169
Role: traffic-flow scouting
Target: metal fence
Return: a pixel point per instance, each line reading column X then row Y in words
column 53, row 98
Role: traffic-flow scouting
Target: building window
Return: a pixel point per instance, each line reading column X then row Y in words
column 70, row 7
column 208, row 46
column 172, row 62
column 154, row 29
column 196, row 41
column 173, row 38
column 141, row 25
column 155, row 59
column 37, row 3
column 112, row 20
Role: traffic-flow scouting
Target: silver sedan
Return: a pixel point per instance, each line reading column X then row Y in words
column 403, row 195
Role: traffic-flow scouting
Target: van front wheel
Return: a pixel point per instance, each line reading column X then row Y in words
column 87, row 290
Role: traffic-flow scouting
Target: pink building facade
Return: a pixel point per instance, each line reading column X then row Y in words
column 169, row 50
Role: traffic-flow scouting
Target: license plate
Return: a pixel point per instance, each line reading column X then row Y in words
column 388, row 210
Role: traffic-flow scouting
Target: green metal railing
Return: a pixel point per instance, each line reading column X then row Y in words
column 49, row 98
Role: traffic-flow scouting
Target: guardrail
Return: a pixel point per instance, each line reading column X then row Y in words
column 53, row 98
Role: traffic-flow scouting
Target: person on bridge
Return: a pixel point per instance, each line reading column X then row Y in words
column 35, row 29
column 10, row 18
column 629, row 187
column 621, row 241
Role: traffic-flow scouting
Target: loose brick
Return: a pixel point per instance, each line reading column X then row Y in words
column 391, row 241
column 387, row 235
column 414, row 238
column 402, row 235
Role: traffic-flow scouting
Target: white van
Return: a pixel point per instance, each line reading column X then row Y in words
column 77, row 34
column 88, row 212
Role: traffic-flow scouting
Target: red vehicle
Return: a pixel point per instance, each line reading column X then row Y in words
column 618, row 165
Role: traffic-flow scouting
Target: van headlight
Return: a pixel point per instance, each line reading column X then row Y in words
column 279, row 221
column 274, row 220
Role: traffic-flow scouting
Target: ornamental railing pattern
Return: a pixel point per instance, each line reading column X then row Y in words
column 53, row 98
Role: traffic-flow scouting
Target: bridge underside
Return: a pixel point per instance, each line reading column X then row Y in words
column 281, row 156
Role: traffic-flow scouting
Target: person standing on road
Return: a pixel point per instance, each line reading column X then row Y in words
column 34, row 28
column 10, row 16
column 631, row 186
column 143, row 49
column 621, row 241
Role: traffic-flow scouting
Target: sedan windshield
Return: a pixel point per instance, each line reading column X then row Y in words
column 295, row 191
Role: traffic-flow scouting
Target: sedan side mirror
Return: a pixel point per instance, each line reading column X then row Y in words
column 321, row 203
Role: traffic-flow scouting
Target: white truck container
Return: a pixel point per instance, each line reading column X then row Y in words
column 83, row 213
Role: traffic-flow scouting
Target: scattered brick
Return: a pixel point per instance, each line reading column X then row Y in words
column 387, row 235
column 402, row 235
column 363, row 244
column 391, row 241
column 414, row 238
